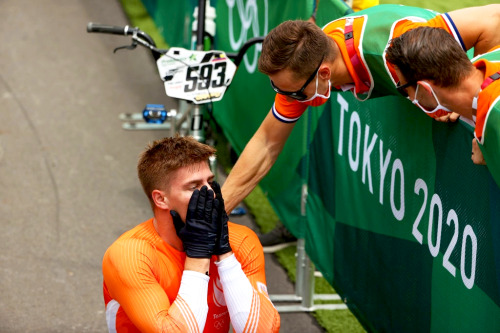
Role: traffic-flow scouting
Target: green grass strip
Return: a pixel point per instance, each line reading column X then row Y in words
column 139, row 17
column 331, row 321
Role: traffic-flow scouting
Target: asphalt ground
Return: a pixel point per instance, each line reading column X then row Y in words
column 68, row 184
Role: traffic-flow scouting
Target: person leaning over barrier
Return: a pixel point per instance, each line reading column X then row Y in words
column 435, row 74
column 303, row 62
column 187, row 269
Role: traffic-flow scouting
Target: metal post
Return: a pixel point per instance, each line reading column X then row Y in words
column 301, row 256
column 308, row 288
column 304, row 280
column 299, row 267
column 197, row 113
column 200, row 30
column 197, row 130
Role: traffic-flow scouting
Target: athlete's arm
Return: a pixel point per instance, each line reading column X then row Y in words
column 132, row 283
column 244, row 286
column 256, row 160
column 478, row 26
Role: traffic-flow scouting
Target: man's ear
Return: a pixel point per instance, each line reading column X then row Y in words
column 427, row 86
column 324, row 72
column 160, row 200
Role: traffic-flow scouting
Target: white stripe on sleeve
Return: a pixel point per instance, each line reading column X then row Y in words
column 239, row 294
column 111, row 311
column 193, row 293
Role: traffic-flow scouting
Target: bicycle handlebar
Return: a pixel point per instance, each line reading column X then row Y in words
column 238, row 57
column 139, row 36
column 110, row 29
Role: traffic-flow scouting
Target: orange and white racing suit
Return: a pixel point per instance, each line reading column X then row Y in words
column 146, row 288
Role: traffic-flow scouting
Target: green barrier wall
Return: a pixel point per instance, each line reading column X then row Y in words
column 397, row 218
column 400, row 220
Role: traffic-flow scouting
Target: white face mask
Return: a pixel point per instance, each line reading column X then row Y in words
column 316, row 93
column 436, row 101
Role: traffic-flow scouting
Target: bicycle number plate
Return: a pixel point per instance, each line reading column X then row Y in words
column 197, row 76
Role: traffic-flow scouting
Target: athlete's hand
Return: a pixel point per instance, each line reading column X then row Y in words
column 199, row 233
column 477, row 155
column 450, row 117
column 222, row 245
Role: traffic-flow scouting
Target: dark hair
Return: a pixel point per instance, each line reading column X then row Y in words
column 426, row 53
column 296, row 45
column 162, row 157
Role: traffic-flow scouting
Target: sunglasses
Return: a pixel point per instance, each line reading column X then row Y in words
column 299, row 94
column 402, row 88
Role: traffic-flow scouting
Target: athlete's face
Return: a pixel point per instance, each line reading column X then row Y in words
column 183, row 183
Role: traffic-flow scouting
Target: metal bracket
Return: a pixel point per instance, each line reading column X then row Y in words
column 304, row 289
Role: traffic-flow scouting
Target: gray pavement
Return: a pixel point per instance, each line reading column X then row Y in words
column 68, row 185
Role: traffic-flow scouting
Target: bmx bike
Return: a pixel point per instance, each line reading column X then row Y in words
column 196, row 78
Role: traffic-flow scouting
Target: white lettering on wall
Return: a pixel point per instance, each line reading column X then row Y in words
column 354, row 160
column 367, row 151
column 397, row 167
column 384, row 165
column 344, row 107
column 397, row 199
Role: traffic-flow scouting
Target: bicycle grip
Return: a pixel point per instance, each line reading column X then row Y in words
column 109, row 29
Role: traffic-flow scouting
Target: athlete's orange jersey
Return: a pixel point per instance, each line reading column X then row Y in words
column 290, row 111
column 442, row 21
column 488, row 97
column 142, row 277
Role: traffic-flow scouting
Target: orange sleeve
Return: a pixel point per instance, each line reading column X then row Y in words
column 287, row 111
column 248, row 251
column 488, row 96
column 128, row 270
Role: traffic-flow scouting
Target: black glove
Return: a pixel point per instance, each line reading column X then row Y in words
column 199, row 233
column 222, row 245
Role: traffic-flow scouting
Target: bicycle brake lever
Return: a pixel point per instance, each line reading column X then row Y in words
column 128, row 47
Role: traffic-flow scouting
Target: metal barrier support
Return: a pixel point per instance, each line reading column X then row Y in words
column 304, row 282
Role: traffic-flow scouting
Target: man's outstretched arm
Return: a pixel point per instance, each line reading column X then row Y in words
column 256, row 160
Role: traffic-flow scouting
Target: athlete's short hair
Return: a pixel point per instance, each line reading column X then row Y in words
column 426, row 53
column 162, row 157
column 296, row 45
